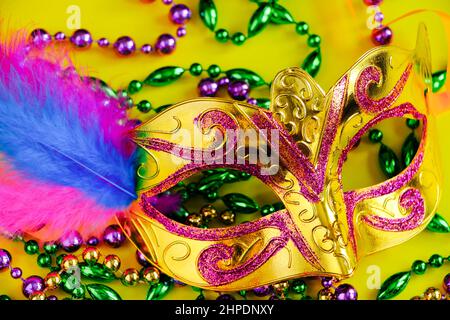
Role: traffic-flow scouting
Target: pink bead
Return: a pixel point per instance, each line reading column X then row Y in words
column 382, row 36
column 373, row 2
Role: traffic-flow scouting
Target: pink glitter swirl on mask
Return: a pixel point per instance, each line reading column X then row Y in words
column 371, row 75
column 411, row 199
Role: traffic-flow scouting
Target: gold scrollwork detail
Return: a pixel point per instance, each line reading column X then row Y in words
column 178, row 243
column 322, row 239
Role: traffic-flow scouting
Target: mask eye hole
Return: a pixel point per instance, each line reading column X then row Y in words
column 382, row 153
column 221, row 197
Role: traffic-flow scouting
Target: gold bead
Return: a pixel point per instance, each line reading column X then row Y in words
column 52, row 280
column 91, row 255
column 432, row 294
column 112, row 262
column 227, row 217
column 281, row 288
column 130, row 277
column 195, row 220
column 68, row 262
column 325, row 294
column 38, row 295
column 208, row 212
column 151, row 275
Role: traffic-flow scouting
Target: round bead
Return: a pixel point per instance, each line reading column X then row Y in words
column 181, row 32
column 252, row 101
column 130, row 277
column 71, row 241
column 207, row 87
column 32, row 285
column 373, row 2
column 379, row 16
column 51, row 247
column 114, row 236
column 81, row 38
column 281, row 289
column 346, row 292
column 135, row 86
column 446, row 283
column 125, row 46
column 144, row 106
column 223, row 82
column 267, row 209
column 92, row 241
column 165, row 44
column 239, row 90
column 327, row 282
column 382, row 36
column 60, row 36
column 314, row 40
column 31, row 247
column 238, row 38
column 225, row 296
column 262, row 291
column 4, row 297
column 91, row 255
column 52, row 298
column 38, row 295
column 151, row 275
column 146, row 48
column 196, row 69
column 112, row 262
column 44, row 260
column 213, row 70
column 301, row 28
column 195, row 220
column 60, row 258
column 5, row 259
column 141, row 259
column 222, row 35
column 79, row 292
column 208, row 212
column 103, row 42
column 419, row 267
column 432, row 294
column 212, row 196
column 40, row 38
column 180, row 14
column 375, row 135
column 436, row 261
column 16, row 273
column 325, row 294
column 167, row 2
column 227, row 217
column 68, row 262
column 412, row 123
column 298, row 286
column 52, row 280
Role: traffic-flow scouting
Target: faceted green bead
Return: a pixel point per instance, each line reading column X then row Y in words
column 375, row 135
column 4, row 297
column 208, row 13
column 306, row 298
column 102, row 292
column 419, row 267
column 388, row 161
column 243, row 293
column 196, row 69
column 244, row 175
column 214, row 71
column 314, row 40
column 160, row 290
column 162, row 108
column 312, row 62
column 253, row 79
column 438, row 224
column 200, row 297
column 51, row 247
column 260, row 19
column 240, row 203
column 412, row 123
column 212, row 196
column 97, row 272
column 79, row 292
column 134, row 86
column 409, row 149
column 181, row 214
column 232, row 176
column 31, row 247
column 222, row 35
column 238, row 38
column 144, row 106
column 164, row 76
column 393, row 285
column 263, row 103
column 438, row 80
column 298, row 286
column 302, row 28
column 206, row 185
column 44, row 260
column 279, row 206
column 436, row 261
column 60, row 258
column 184, row 194
column 267, row 209
column 280, row 15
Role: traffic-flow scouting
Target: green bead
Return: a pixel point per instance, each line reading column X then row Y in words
column 306, row 298
column 393, row 285
column 60, row 258
column 134, row 86
column 302, row 28
column 279, row 206
column 298, row 286
column 79, row 292
column 412, row 123
column 31, row 247
column 163, row 107
column 438, row 224
column 164, row 76
column 181, row 214
column 375, row 135
column 96, row 272
column 314, row 40
column 263, row 103
column 419, row 267
column 192, row 188
column 184, row 194
column 253, row 79
column 244, row 175
column 243, row 293
column 160, row 290
column 436, row 261
column 280, row 15
column 267, row 209
column 238, row 38
column 208, row 13
column 200, row 297
column 388, row 161
column 260, row 19
column 44, row 260
column 196, row 69
column 312, row 62
column 214, row 70
column 438, row 80
column 51, row 247
column 409, row 149
column 212, row 196
column 102, row 292
column 222, row 35
column 240, row 203
column 144, row 106
column 4, row 297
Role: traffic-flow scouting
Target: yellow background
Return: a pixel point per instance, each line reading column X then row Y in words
column 344, row 38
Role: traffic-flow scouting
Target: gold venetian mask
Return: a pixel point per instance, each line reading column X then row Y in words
column 323, row 230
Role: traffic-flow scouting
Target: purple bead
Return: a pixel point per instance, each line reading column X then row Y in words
column 60, row 36
column 252, row 101
column 447, row 283
column 207, row 87
column 81, row 38
column 71, row 241
column 262, row 291
column 16, row 273
column 224, row 81
column 114, row 236
column 327, row 282
column 373, row 2
column 165, row 44
column 382, row 36
column 181, row 32
column 52, row 298
column 180, row 14
column 274, row 297
column 93, row 241
column 5, row 259
column 146, row 48
column 346, row 292
column 239, row 90
column 40, row 38
column 141, row 259
column 379, row 16
column 125, row 46
column 103, row 42
column 167, row 2
column 225, row 297
column 178, row 283
column 32, row 284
